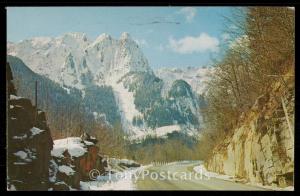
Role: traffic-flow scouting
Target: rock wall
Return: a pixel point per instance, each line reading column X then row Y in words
column 261, row 148
column 29, row 143
column 73, row 159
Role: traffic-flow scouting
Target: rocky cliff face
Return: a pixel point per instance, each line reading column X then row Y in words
column 73, row 159
column 35, row 161
column 261, row 149
column 29, row 143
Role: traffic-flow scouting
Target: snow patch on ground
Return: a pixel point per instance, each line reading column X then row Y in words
column 73, row 145
column 202, row 170
column 158, row 132
column 21, row 154
column 88, row 143
column 24, row 156
column 161, row 131
column 36, row 131
column 66, row 169
column 118, row 181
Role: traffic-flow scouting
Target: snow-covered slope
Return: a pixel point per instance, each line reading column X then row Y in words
column 74, row 61
column 128, row 111
column 46, row 56
column 196, row 77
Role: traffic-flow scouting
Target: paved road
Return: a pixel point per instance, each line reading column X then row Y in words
column 179, row 179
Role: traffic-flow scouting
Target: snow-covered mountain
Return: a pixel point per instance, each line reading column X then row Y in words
column 196, row 77
column 70, row 59
column 74, row 61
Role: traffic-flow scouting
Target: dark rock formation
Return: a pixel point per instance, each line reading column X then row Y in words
column 73, row 160
column 29, row 142
column 87, row 137
column 10, row 86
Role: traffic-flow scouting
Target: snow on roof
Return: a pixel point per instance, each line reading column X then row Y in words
column 66, row 169
column 74, row 145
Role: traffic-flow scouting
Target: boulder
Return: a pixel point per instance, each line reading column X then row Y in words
column 78, row 155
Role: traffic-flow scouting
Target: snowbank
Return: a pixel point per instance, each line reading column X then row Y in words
column 66, row 169
column 73, row 145
column 202, row 170
column 117, row 181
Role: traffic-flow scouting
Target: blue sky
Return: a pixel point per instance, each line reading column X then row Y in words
column 169, row 36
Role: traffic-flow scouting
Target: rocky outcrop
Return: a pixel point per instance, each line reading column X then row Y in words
column 261, row 149
column 29, row 143
column 73, row 160
column 9, row 77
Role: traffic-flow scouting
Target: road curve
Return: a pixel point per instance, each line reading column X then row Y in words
column 180, row 179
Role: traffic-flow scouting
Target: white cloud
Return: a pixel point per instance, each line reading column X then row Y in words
column 189, row 13
column 189, row 44
column 141, row 42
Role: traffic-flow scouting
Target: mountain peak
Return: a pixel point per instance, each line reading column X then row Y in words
column 76, row 35
column 105, row 56
column 102, row 37
column 125, row 36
